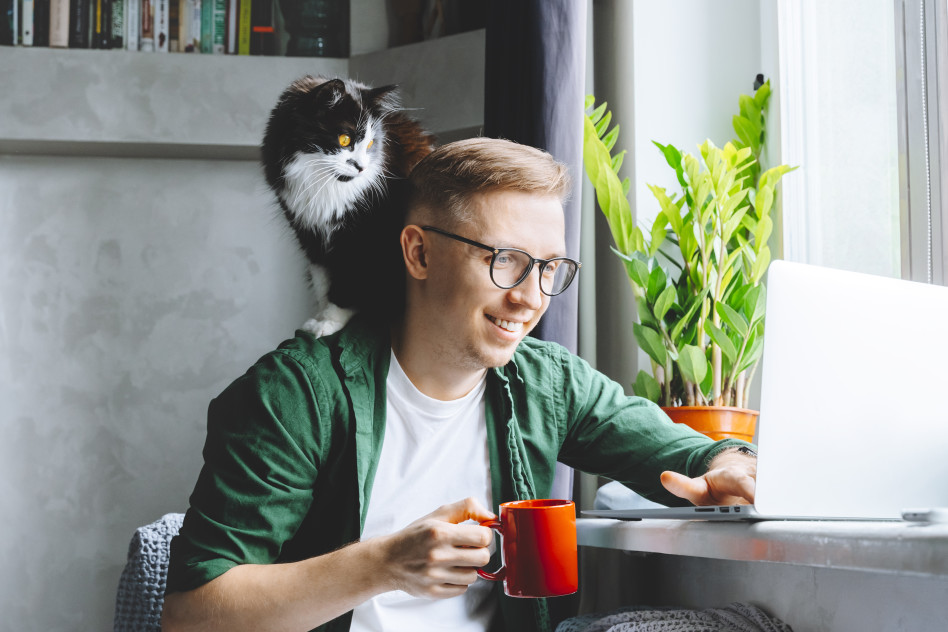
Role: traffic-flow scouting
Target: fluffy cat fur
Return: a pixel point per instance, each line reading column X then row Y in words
column 337, row 154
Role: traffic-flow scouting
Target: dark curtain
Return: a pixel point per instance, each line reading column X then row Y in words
column 533, row 94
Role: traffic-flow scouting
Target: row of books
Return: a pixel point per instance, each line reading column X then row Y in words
column 236, row 27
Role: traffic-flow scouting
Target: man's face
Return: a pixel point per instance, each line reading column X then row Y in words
column 478, row 325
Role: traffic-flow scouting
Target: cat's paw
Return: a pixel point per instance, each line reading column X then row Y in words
column 322, row 327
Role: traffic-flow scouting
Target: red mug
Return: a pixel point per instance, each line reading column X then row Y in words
column 538, row 548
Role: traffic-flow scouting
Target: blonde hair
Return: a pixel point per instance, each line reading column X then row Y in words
column 444, row 183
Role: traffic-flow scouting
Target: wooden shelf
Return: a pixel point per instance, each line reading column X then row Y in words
column 119, row 103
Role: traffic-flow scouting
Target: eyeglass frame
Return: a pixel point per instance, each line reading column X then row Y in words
column 496, row 251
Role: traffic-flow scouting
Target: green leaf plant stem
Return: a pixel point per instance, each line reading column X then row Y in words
column 697, row 274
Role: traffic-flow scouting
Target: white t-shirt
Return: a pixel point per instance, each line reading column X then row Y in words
column 434, row 453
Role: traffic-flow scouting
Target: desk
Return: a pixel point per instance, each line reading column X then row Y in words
column 813, row 575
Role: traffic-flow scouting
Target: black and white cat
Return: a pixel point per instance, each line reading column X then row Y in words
column 337, row 154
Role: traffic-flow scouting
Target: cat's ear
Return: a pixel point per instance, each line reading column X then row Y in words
column 383, row 98
column 330, row 92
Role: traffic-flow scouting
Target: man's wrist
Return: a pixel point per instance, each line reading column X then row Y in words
column 732, row 454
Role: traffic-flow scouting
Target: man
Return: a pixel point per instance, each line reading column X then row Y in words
column 357, row 460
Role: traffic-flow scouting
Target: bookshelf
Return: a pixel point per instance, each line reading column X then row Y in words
column 73, row 102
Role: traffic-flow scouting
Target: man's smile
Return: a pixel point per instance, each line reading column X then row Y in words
column 507, row 325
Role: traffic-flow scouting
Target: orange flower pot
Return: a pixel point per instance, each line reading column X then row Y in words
column 717, row 422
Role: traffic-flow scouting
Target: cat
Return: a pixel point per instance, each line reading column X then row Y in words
column 337, row 154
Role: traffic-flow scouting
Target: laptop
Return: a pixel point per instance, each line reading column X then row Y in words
column 854, row 401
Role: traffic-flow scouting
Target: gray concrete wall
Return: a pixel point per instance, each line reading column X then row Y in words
column 143, row 267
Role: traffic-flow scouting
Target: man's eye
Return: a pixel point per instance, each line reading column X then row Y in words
column 344, row 140
column 550, row 268
column 503, row 260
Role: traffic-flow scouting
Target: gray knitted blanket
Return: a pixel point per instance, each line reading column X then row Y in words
column 141, row 589
column 737, row 617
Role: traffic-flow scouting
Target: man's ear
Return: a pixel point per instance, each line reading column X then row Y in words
column 414, row 251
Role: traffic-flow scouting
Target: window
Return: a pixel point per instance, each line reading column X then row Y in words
column 859, row 103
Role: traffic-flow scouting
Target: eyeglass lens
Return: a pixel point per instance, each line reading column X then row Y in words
column 510, row 267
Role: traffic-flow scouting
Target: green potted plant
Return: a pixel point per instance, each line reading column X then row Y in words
column 697, row 276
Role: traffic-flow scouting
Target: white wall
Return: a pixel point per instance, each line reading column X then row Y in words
column 131, row 293
column 693, row 59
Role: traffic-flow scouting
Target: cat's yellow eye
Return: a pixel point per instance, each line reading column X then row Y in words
column 344, row 140
column 369, row 146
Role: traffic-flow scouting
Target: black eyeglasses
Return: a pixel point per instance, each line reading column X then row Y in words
column 509, row 267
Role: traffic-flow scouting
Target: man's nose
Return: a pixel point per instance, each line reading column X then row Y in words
column 528, row 292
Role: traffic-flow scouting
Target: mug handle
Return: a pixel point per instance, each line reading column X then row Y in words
column 501, row 573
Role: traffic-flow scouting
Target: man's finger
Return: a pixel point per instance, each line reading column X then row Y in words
column 692, row 489
column 467, row 509
column 472, row 535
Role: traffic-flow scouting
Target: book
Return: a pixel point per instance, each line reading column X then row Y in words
column 147, row 41
column 133, row 24
column 26, row 23
column 160, row 8
column 243, row 28
column 220, row 26
column 262, row 30
column 117, row 34
column 59, row 23
column 194, row 31
column 174, row 32
column 8, row 22
column 102, row 24
column 41, row 21
column 79, row 23
column 184, row 24
column 230, row 39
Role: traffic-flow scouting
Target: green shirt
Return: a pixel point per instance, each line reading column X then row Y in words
column 292, row 447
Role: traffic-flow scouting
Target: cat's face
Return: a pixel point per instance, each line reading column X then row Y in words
column 324, row 150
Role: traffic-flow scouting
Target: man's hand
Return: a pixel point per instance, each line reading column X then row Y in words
column 730, row 480
column 435, row 557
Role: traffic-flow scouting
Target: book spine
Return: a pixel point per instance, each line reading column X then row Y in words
column 26, row 23
column 243, row 29
column 160, row 7
column 117, row 35
column 174, row 35
column 133, row 24
column 59, row 23
column 78, row 23
column 230, row 40
column 262, row 32
column 195, row 32
column 184, row 23
column 6, row 22
column 148, row 27
column 102, row 24
column 207, row 26
column 220, row 26
column 40, row 22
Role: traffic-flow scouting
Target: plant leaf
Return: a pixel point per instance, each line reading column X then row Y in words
column 603, row 124
column 609, row 140
column 656, row 284
column 664, row 301
column 692, row 363
column 720, row 339
column 733, row 319
column 648, row 387
column 650, row 341
column 755, row 304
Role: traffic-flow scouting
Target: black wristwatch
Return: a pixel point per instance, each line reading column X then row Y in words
column 748, row 451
